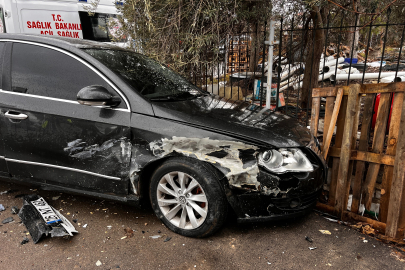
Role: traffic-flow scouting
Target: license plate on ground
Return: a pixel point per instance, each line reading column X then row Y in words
column 46, row 211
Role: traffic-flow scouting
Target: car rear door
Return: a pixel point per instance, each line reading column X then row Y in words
column 51, row 138
column 3, row 165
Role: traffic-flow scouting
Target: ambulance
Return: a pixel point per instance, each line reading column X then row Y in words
column 64, row 18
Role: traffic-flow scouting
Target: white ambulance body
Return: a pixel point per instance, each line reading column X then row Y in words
column 66, row 18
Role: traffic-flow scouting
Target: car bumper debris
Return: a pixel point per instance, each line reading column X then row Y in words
column 41, row 219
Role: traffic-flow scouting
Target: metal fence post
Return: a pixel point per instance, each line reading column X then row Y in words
column 271, row 44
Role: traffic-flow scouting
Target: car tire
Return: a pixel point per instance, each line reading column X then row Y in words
column 187, row 196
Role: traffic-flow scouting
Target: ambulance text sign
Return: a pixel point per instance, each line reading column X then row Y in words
column 53, row 23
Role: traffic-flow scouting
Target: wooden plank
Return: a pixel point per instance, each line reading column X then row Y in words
column 324, row 92
column 332, row 123
column 398, row 181
column 374, row 158
column 365, row 156
column 363, row 147
column 365, row 89
column 316, row 103
column 378, row 146
column 351, row 163
column 380, row 226
column 329, row 91
column 391, row 148
column 382, row 88
column 328, row 115
column 338, row 143
column 344, row 167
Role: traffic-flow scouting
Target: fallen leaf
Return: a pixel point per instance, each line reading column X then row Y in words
column 325, row 231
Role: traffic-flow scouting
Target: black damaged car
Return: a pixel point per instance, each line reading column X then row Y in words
column 84, row 117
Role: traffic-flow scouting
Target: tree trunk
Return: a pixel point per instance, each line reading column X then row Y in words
column 354, row 35
column 254, row 48
column 313, row 58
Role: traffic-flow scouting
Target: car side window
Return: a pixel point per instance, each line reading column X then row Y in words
column 46, row 72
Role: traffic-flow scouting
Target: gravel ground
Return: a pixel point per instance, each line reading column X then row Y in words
column 277, row 245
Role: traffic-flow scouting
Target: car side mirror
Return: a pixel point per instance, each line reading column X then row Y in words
column 97, row 95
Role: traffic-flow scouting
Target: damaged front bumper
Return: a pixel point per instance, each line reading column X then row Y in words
column 282, row 196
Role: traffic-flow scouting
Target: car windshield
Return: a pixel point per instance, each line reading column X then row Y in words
column 147, row 76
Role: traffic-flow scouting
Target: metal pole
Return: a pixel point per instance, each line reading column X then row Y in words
column 264, row 53
column 280, row 47
column 271, row 44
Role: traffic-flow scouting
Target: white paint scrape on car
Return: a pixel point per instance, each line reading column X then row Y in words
column 228, row 154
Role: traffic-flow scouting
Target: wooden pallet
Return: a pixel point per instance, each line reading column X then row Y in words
column 350, row 155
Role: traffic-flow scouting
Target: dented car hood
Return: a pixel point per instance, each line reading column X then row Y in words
column 237, row 118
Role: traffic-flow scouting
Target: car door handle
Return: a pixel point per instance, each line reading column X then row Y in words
column 15, row 115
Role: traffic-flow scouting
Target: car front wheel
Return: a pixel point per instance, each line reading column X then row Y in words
column 188, row 198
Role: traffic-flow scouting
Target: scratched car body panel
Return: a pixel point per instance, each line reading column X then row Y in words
column 90, row 118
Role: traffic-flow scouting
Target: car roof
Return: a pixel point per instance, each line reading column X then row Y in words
column 59, row 41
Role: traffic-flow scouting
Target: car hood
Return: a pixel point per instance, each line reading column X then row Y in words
column 236, row 118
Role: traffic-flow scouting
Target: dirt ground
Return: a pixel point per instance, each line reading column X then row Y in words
column 277, row 245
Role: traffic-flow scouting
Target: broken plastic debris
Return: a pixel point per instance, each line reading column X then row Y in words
column 7, row 220
column 41, row 219
column 308, row 239
column 85, row 225
column 155, row 236
column 325, row 231
column 331, row 219
column 167, row 239
column 25, row 241
column 362, row 208
column 312, row 248
column 98, row 263
column 2, row 208
column 14, row 210
column 365, row 241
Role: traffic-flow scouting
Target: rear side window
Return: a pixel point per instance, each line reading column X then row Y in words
column 45, row 72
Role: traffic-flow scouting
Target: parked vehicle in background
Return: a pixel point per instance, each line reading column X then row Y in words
column 91, row 118
column 67, row 18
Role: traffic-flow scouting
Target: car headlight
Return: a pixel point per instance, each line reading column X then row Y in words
column 285, row 160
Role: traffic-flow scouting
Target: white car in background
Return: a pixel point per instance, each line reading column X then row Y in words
column 67, row 18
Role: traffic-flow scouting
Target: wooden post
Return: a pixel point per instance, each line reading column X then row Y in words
column 338, row 143
column 378, row 145
column 398, row 182
column 391, row 148
column 363, row 146
column 349, row 130
column 328, row 115
column 316, row 103
column 332, row 124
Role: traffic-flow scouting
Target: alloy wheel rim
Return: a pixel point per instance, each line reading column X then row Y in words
column 182, row 200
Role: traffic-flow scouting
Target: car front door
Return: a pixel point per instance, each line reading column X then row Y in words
column 49, row 137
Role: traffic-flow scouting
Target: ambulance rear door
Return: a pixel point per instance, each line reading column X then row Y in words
column 54, row 18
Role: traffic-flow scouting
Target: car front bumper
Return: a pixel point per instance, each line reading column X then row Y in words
column 283, row 196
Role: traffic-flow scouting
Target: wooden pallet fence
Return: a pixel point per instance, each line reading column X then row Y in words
column 366, row 162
